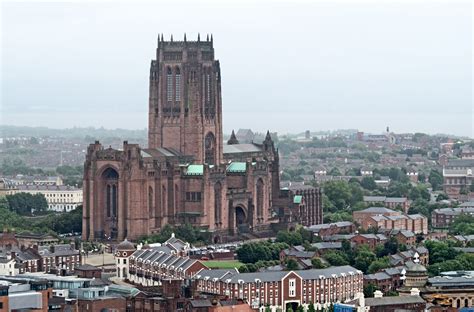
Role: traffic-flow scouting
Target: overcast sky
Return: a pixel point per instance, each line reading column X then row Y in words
column 286, row 66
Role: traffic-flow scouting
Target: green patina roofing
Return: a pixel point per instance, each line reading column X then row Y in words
column 297, row 199
column 237, row 167
column 195, row 170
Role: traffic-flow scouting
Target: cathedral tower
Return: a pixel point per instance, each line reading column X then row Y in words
column 185, row 103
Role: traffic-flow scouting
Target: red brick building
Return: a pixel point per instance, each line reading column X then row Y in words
column 387, row 219
column 281, row 289
column 371, row 240
column 187, row 175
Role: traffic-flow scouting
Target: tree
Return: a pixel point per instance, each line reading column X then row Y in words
column 336, row 258
column 311, row 307
column 449, row 265
column 440, row 251
column 300, row 309
column 369, row 290
column 368, row 183
column 334, row 172
column 363, row 258
column 436, row 179
column 267, row 308
column 337, row 217
column 27, row 204
column 442, row 196
column 317, row 263
column 338, row 193
column 292, row 238
column 462, row 225
column 260, row 251
column 378, row 264
column 291, row 264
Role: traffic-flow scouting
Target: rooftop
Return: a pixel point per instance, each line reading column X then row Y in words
column 241, row 148
column 395, row 300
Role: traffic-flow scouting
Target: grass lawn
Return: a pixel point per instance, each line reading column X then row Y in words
column 224, row 264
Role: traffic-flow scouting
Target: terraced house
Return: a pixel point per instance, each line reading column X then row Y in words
column 149, row 265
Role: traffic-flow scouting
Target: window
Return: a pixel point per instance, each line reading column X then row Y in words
column 208, row 82
column 193, row 196
column 169, row 85
column 178, row 84
column 292, row 287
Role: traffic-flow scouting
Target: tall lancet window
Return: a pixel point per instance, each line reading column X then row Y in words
column 178, row 84
column 208, row 83
column 169, row 85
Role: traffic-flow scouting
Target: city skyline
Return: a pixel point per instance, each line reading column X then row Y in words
column 317, row 66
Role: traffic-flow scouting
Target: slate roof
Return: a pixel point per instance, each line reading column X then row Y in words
column 454, row 211
column 377, row 210
column 200, row 303
column 176, row 243
column 299, row 254
column 59, row 251
column 395, row 199
column 460, row 163
column 395, row 300
column 318, row 227
column 374, row 198
column 47, row 188
column 379, row 276
column 241, row 148
column 447, row 281
column 327, row 245
column 270, row 276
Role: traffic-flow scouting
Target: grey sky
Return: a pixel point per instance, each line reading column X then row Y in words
column 286, row 66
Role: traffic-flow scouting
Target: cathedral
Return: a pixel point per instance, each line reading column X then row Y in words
column 188, row 174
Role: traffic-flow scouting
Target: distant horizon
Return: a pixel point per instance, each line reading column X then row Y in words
column 229, row 132
column 301, row 65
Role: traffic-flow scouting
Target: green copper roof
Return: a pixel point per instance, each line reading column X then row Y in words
column 297, row 199
column 237, row 167
column 195, row 170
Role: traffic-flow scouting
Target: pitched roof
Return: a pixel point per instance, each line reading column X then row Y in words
column 377, row 210
column 241, row 148
column 396, row 300
column 233, row 276
column 196, row 170
column 237, row 167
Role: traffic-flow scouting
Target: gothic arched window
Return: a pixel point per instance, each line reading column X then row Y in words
column 217, row 203
column 178, row 84
column 150, row 202
column 209, row 146
column 169, row 84
column 208, row 88
column 260, row 199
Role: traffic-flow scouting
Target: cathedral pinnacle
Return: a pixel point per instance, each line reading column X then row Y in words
column 233, row 139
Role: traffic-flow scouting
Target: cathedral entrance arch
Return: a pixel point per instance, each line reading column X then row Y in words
column 109, row 212
column 241, row 220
